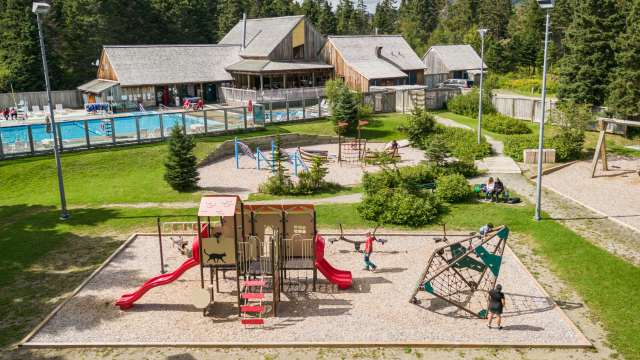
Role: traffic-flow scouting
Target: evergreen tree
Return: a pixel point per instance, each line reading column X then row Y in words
column 318, row 171
column 495, row 15
column 385, row 17
column 344, row 15
column 311, row 9
column 230, row 12
column 624, row 89
column 346, row 111
column 327, row 20
column 590, row 58
column 180, row 162
column 280, row 178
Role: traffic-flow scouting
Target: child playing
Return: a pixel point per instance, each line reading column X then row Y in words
column 368, row 248
column 484, row 230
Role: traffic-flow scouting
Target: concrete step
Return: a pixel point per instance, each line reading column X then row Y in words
column 502, row 165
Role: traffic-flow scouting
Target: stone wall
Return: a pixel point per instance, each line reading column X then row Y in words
column 264, row 142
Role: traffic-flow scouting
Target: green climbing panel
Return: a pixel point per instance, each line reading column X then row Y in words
column 504, row 233
column 483, row 313
column 490, row 260
column 428, row 288
column 458, row 250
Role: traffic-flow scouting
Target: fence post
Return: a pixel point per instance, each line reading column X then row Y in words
column 319, row 107
column 59, row 139
column 533, row 110
column 138, row 129
column 244, row 110
column 304, row 114
column 113, row 132
column 31, row 142
column 86, row 133
column 161, row 128
column 270, row 112
column 1, row 149
column 226, row 124
column 287, row 107
column 184, row 123
column 513, row 109
column 204, row 118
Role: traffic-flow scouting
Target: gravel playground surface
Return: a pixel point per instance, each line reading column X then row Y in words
column 222, row 176
column 375, row 309
column 614, row 192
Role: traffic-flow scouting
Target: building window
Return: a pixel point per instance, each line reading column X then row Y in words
column 413, row 79
column 398, row 82
column 457, row 74
column 298, row 52
column 375, row 82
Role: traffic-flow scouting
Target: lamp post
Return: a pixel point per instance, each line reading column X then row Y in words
column 545, row 5
column 40, row 8
column 482, row 33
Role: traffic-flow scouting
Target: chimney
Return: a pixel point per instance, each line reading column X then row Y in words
column 244, row 31
column 378, row 51
column 376, row 31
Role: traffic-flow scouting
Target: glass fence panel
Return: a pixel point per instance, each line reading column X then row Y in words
column 150, row 126
column 194, row 122
column 278, row 112
column 235, row 118
column 72, row 134
column 256, row 117
column 42, row 139
column 215, row 121
column 99, row 132
column 311, row 109
column 125, row 129
column 295, row 110
column 15, row 140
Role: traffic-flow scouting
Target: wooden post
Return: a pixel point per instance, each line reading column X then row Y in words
column 261, row 83
column 313, row 250
column 313, row 82
column 284, row 80
column 271, row 84
column 594, row 163
column 160, row 243
column 248, row 82
column 602, row 125
column 513, row 112
column 533, row 110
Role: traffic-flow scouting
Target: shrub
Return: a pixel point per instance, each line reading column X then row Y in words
column 515, row 145
column 399, row 207
column 463, row 143
column 345, row 111
column 568, row 145
column 452, row 188
column 505, row 125
column 467, row 104
column 419, row 127
column 180, row 163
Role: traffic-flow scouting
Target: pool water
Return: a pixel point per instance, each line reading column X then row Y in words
column 73, row 130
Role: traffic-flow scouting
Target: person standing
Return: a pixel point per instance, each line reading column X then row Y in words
column 368, row 249
column 496, row 305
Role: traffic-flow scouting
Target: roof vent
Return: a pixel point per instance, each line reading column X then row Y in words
column 244, row 30
column 378, row 51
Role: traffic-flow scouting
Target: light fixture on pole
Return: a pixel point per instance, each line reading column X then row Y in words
column 482, row 33
column 40, row 8
column 545, row 5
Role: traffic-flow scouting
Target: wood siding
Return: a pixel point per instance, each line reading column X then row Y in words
column 434, row 64
column 105, row 70
column 68, row 99
column 313, row 43
column 137, row 97
column 352, row 78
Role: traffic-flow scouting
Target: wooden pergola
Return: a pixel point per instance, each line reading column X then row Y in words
column 601, row 147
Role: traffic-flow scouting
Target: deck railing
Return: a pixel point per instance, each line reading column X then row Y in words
column 241, row 97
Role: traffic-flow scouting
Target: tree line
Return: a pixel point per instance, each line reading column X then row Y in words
column 593, row 50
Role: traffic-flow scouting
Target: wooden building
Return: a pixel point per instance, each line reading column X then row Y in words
column 444, row 62
column 373, row 60
column 160, row 74
column 279, row 52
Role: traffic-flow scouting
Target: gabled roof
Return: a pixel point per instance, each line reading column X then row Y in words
column 171, row 64
column 289, row 65
column 263, row 35
column 457, row 57
column 359, row 52
column 97, row 86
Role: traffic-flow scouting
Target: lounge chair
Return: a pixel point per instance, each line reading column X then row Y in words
column 168, row 131
column 278, row 117
column 157, row 132
column 19, row 146
column 47, row 109
column 36, row 111
column 143, row 134
column 60, row 110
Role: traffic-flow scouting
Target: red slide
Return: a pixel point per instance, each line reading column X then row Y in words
column 339, row 277
column 127, row 300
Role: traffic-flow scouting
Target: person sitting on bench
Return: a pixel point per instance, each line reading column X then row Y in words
column 497, row 189
column 489, row 190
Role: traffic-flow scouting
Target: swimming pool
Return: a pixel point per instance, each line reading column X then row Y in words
column 75, row 130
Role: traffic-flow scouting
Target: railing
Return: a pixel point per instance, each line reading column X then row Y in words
column 241, row 97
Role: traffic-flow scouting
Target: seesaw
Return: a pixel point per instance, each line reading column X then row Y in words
column 357, row 243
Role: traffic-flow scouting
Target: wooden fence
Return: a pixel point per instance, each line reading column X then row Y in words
column 241, row 97
column 68, row 99
column 522, row 108
column 433, row 99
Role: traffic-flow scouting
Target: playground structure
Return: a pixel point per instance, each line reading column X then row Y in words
column 601, row 147
column 263, row 244
column 293, row 158
column 357, row 243
column 461, row 273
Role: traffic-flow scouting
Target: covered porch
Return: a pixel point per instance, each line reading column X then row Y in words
column 271, row 75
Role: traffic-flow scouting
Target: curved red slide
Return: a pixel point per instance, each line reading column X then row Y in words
column 341, row 278
column 127, row 300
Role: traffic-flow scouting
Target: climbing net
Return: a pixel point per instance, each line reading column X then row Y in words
column 350, row 155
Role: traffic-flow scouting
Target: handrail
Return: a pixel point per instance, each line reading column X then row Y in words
column 164, row 107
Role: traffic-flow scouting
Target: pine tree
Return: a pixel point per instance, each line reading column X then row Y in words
column 346, row 111
column 586, row 69
column 318, row 171
column 180, row 162
column 327, row 20
column 495, row 15
column 344, row 15
column 230, row 12
column 280, row 177
column 624, row 95
column 311, row 9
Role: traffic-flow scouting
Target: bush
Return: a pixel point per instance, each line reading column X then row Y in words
column 467, row 104
column 505, row 125
column 345, row 111
column 463, row 143
column 399, row 207
column 180, row 163
column 452, row 188
column 568, row 145
column 419, row 127
column 515, row 145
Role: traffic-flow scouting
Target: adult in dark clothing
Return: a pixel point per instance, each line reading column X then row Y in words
column 496, row 304
column 498, row 187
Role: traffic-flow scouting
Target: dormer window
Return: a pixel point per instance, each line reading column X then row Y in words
column 298, row 52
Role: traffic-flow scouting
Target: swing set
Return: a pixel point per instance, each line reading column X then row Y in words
column 601, row 147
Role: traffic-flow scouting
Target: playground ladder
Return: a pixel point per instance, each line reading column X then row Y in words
column 252, row 309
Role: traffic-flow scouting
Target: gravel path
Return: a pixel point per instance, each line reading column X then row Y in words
column 375, row 309
column 222, row 176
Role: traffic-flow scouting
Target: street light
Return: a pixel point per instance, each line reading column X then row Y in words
column 482, row 33
column 40, row 8
column 545, row 5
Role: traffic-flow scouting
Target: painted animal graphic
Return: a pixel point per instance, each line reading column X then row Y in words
column 216, row 257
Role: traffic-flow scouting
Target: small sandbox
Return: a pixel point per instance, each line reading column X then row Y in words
column 375, row 311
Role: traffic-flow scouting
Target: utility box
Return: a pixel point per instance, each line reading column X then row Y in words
column 530, row 156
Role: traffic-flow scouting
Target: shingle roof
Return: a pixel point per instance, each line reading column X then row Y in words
column 457, row 57
column 171, row 64
column 359, row 53
column 266, row 65
column 97, row 86
column 263, row 35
